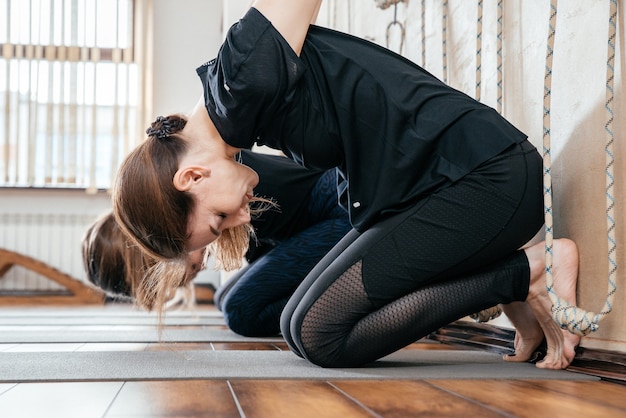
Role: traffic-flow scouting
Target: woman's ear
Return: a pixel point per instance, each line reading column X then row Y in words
column 185, row 178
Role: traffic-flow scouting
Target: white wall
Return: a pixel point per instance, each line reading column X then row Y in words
column 577, row 109
column 48, row 225
column 187, row 33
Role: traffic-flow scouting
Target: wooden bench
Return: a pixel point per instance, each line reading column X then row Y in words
column 76, row 292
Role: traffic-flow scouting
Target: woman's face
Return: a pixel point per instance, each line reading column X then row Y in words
column 195, row 264
column 221, row 201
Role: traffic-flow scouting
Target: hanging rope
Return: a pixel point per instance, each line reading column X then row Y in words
column 569, row 316
column 495, row 311
column 423, row 32
column 479, row 47
column 499, row 57
column 444, row 41
column 610, row 139
column 349, row 6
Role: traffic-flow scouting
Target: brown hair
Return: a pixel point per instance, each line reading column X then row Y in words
column 110, row 262
column 154, row 214
column 117, row 266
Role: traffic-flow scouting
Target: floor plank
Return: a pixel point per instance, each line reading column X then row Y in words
column 602, row 393
column 174, row 398
column 410, row 399
column 525, row 399
column 58, row 400
column 41, row 347
column 113, row 347
column 287, row 398
column 6, row 386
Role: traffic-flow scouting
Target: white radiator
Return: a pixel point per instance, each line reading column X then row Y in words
column 52, row 238
column 48, row 225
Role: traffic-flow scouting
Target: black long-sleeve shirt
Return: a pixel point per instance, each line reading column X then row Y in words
column 395, row 131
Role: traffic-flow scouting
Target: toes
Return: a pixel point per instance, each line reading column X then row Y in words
column 533, row 355
column 552, row 363
column 513, row 358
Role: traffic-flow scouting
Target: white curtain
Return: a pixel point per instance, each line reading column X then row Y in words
column 74, row 89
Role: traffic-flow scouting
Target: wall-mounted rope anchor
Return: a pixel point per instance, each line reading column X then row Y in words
column 384, row 4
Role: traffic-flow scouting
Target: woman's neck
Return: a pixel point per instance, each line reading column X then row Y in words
column 201, row 131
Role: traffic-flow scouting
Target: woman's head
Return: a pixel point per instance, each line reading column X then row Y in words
column 147, row 205
column 179, row 191
column 110, row 263
column 117, row 267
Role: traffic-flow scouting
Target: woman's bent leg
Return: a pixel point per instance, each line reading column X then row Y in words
column 451, row 255
column 253, row 305
column 332, row 333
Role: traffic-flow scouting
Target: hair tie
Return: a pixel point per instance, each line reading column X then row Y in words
column 163, row 126
column 159, row 128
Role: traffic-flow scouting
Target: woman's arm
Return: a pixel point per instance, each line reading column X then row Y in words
column 290, row 17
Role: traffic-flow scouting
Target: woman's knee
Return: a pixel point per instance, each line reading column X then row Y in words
column 235, row 321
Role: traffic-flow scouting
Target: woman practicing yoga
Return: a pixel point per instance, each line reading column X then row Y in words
column 442, row 192
column 289, row 240
column 116, row 266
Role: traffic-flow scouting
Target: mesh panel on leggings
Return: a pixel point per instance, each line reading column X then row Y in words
column 343, row 329
column 344, row 303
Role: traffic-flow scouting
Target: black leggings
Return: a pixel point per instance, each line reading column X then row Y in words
column 253, row 299
column 454, row 253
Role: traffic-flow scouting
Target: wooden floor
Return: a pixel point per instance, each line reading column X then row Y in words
column 302, row 398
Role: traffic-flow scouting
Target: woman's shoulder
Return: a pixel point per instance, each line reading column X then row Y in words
column 249, row 80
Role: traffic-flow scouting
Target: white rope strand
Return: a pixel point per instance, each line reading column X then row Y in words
column 494, row 312
column 569, row 316
column 479, row 48
column 423, row 31
column 610, row 139
column 444, row 41
column 499, row 56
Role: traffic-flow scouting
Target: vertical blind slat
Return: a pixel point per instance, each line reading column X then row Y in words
column 72, row 103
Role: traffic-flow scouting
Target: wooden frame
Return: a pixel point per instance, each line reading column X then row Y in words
column 79, row 293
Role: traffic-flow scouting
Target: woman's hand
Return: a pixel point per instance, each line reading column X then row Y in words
column 290, row 17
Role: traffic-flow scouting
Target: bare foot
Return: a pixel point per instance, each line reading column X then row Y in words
column 561, row 343
column 528, row 332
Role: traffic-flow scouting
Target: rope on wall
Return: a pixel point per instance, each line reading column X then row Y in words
column 444, row 41
column 495, row 311
column 479, row 48
column 384, row 4
column 479, row 42
column 499, row 57
column 349, row 6
column 610, row 139
column 395, row 23
column 423, row 31
column 569, row 316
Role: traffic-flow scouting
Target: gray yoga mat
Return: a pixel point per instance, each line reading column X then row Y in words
column 120, row 334
column 145, row 365
column 110, row 320
column 106, row 315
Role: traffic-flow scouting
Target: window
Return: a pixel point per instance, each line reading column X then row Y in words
column 71, row 90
